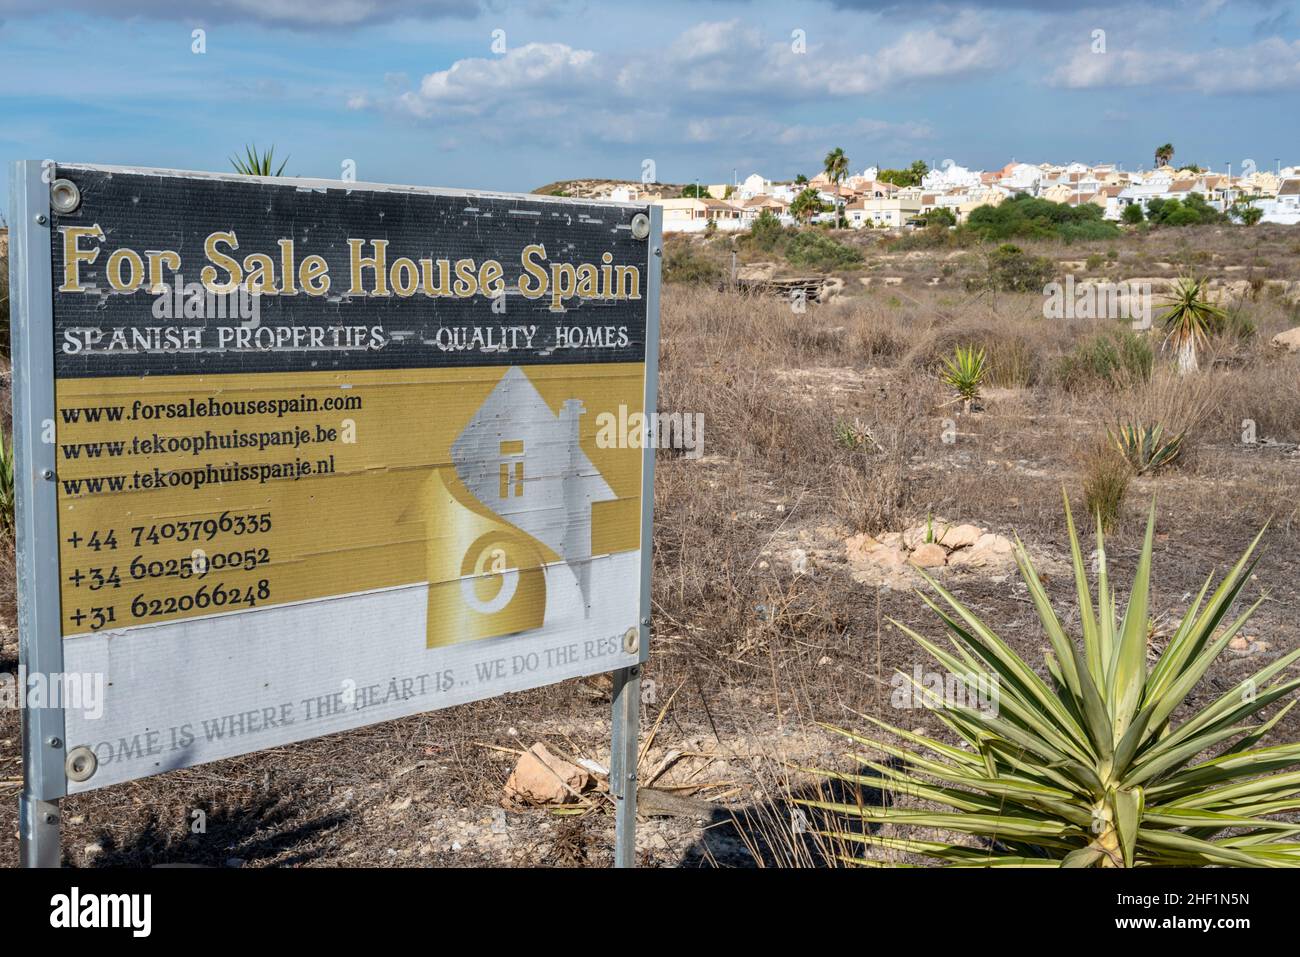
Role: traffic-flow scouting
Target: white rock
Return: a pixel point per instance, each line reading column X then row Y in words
column 929, row 555
column 1289, row 340
column 997, row 544
column 961, row 536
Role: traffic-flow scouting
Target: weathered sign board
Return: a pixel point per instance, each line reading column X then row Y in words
column 299, row 456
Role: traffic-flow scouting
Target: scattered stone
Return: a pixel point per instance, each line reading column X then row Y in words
column 969, row 558
column 929, row 555
column 859, row 547
column 996, row 544
column 596, row 768
column 542, row 778
column 889, row 556
column 961, row 536
column 799, row 561
column 1289, row 340
column 927, row 531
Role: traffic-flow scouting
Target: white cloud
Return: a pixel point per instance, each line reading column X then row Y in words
column 1269, row 65
column 290, row 13
column 733, row 59
column 479, row 85
column 717, row 83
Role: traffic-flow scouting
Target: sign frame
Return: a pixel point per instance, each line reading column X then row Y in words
column 41, row 648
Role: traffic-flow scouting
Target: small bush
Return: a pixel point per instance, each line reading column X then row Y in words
column 1027, row 217
column 816, row 250
column 1010, row 269
column 1013, row 364
column 685, row 263
column 933, row 236
column 880, row 337
column 1108, row 358
column 1234, row 323
column 1105, row 482
column 765, row 234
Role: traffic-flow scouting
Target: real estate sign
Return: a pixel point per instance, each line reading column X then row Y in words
column 326, row 453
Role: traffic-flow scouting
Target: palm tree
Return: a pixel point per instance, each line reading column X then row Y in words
column 806, row 205
column 836, row 165
column 1189, row 319
column 1165, row 154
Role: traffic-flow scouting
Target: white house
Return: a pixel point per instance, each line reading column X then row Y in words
column 950, row 177
column 688, row 214
column 1285, row 208
column 1021, row 177
column 888, row 212
column 753, row 185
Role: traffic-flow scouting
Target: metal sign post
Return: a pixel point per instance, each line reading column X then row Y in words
column 36, row 521
column 414, row 475
column 624, row 744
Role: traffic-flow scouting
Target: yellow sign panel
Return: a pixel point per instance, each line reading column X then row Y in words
column 182, row 496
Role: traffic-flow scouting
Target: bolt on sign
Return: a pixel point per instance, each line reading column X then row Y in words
column 302, row 456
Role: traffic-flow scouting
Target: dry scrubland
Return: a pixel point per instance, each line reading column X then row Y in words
column 819, row 426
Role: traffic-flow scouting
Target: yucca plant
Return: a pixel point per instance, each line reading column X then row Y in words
column 965, row 372
column 256, row 163
column 1089, row 769
column 1188, row 319
column 1145, row 447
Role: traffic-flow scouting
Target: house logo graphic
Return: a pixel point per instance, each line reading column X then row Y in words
column 512, row 517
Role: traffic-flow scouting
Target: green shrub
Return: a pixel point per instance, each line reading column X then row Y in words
column 1192, row 211
column 816, row 250
column 686, row 264
column 939, row 216
column 1010, row 269
column 1024, row 217
column 1233, row 323
column 766, row 233
column 1106, row 358
column 933, row 236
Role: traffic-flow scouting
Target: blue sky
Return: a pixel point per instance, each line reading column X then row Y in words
column 416, row 92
